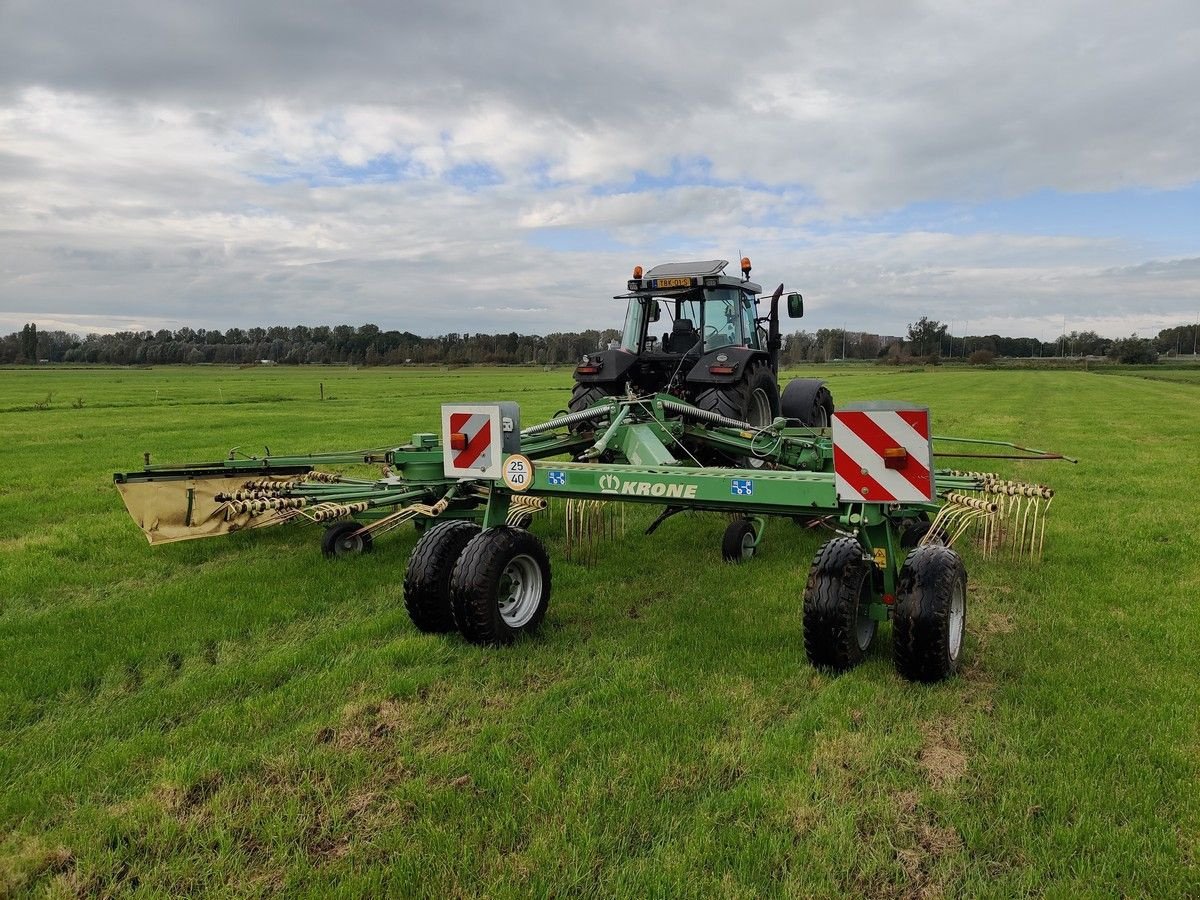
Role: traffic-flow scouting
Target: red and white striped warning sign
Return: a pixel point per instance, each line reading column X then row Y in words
column 883, row 454
column 471, row 438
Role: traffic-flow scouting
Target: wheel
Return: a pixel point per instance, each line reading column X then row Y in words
column 584, row 396
column 808, row 401
column 427, row 579
column 912, row 533
column 754, row 399
column 340, row 540
column 738, row 544
column 837, row 627
column 930, row 614
column 501, row 586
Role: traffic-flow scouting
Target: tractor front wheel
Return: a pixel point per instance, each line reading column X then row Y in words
column 501, row 586
column 427, row 580
column 340, row 539
column 739, row 542
column 807, row 401
column 931, row 614
column 838, row 627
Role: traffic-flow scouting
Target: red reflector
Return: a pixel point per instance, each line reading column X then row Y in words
column 721, row 370
column 889, row 599
column 895, row 458
column 458, row 441
column 588, row 370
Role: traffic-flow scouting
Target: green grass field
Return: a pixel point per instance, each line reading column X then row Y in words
column 242, row 717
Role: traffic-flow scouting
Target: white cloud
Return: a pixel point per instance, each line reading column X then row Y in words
column 197, row 163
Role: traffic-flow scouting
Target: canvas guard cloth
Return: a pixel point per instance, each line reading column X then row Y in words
column 161, row 508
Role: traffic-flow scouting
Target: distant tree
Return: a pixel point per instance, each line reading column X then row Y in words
column 1133, row 350
column 981, row 357
column 926, row 336
column 29, row 343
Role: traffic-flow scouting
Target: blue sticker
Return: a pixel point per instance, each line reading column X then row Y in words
column 741, row 487
column 556, row 478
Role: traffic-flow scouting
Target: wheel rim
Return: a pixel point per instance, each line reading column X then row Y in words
column 348, row 544
column 958, row 612
column 864, row 625
column 760, row 408
column 747, row 545
column 519, row 591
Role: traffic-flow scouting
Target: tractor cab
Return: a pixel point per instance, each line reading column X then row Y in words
column 690, row 309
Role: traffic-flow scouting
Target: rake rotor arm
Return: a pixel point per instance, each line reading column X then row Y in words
column 1030, row 452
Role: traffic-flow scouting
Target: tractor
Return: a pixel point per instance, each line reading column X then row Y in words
column 717, row 350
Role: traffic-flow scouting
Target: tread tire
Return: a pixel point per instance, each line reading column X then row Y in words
column 837, row 582
column 808, row 401
column 584, row 396
column 475, row 584
column 922, row 639
column 332, row 540
column 733, row 400
column 427, row 579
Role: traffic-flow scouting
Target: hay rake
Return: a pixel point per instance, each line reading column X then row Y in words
column 869, row 479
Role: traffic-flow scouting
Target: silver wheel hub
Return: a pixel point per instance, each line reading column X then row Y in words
column 520, row 590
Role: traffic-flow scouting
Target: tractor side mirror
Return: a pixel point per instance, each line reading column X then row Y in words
column 654, row 312
column 795, row 306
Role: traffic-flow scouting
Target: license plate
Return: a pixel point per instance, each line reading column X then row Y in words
column 673, row 282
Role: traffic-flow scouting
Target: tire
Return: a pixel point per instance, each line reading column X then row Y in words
column 427, row 579
column 584, row 396
column 754, row 399
column 913, row 533
column 930, row 614
column 837, row 630
column 737, row 546
column 339, row 540
column 500, row 587
column 808, row 401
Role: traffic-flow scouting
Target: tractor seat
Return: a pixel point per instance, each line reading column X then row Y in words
column 683, row 337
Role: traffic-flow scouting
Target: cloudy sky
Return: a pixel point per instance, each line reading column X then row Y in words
column 483, row 166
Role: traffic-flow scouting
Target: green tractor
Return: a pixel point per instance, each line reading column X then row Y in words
column 696, row 333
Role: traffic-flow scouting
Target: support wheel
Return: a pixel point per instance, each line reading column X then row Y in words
column 913, row 533
column 427, row 580
column 340, row 540
column 501, row 586
column 930, row 615
column 738, row 544
column 838, row 627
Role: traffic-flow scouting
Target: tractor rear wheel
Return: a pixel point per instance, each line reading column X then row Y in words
column 808, row 401
column 427, row 579
column 754, row 399
column 837, row 626
column 584, row 396
column 340, row 540
column 501, row 586
column 931, row 614
column 738, row 544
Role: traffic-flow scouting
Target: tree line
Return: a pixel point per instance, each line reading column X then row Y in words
column 368, row 345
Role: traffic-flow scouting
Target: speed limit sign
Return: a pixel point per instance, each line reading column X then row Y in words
column 518, row 472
